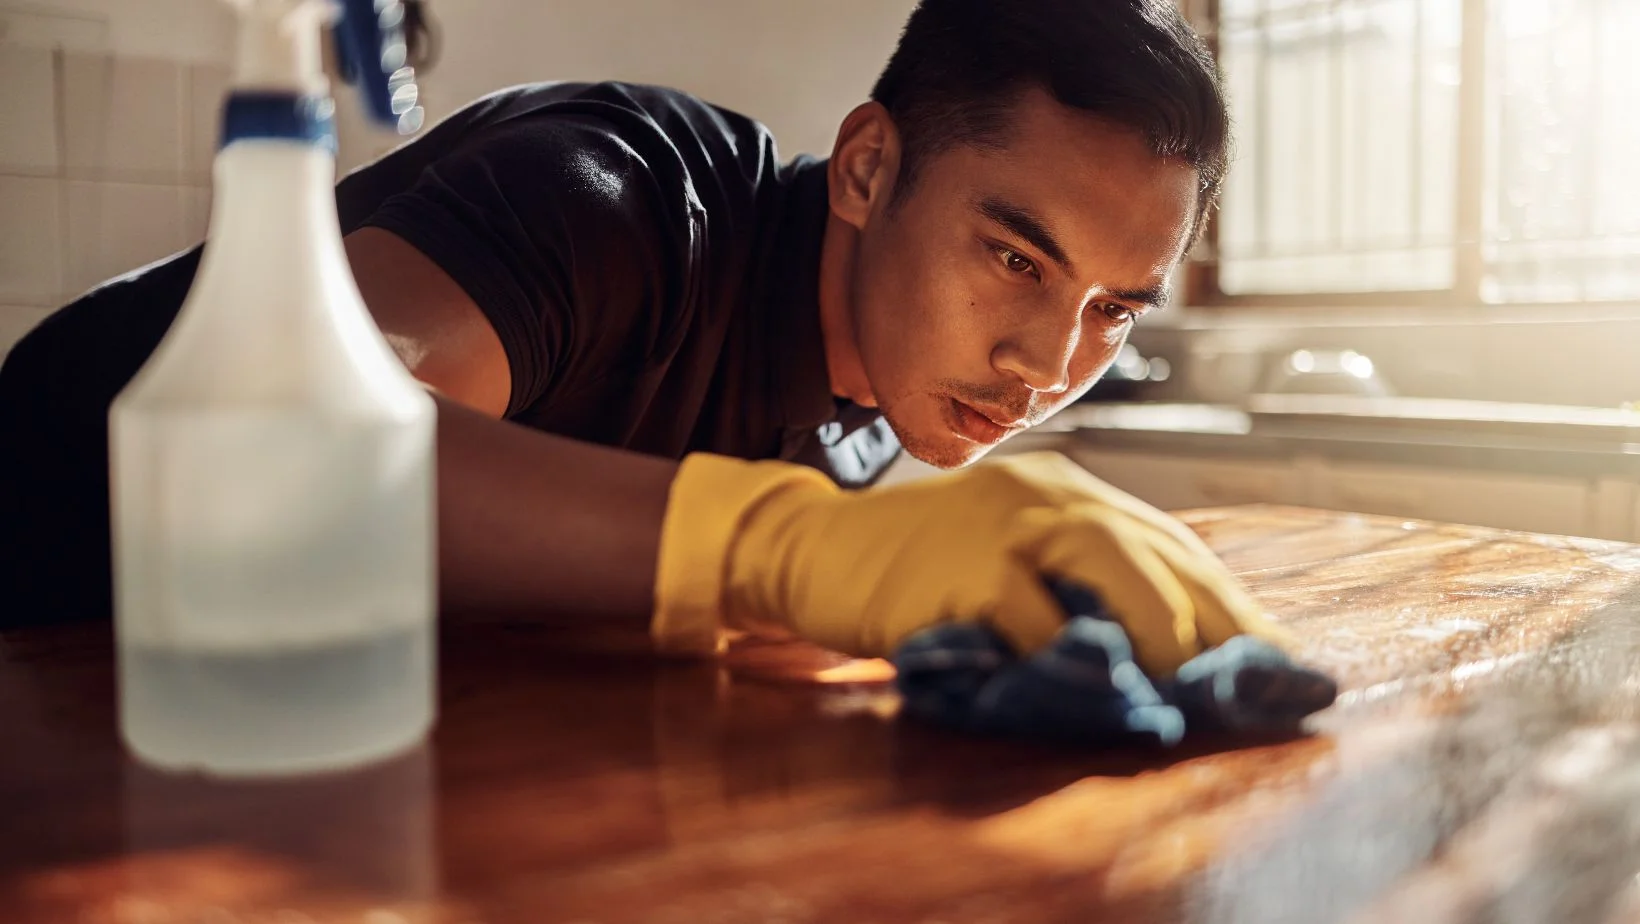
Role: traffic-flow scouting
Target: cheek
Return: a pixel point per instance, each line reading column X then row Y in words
column 891, row 326
column 922, row 305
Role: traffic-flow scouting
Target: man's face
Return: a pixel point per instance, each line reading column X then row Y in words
column 1002, row 285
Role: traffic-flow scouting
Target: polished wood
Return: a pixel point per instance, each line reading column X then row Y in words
column 1483, row 756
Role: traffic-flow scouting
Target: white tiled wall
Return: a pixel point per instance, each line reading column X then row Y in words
column 29, row 143
column 104, row 167
column 114, row 227
column 122, row 118
column 31, row 240
column 17, row 320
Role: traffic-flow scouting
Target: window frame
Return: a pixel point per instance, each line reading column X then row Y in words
column 1201, row 270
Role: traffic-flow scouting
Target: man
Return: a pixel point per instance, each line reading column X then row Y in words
column 601, row 280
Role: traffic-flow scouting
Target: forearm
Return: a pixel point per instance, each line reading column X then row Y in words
column 538, row 523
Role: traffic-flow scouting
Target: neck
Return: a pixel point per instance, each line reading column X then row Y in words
column 844, row 367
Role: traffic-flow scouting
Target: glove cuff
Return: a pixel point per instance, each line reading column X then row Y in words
column 707, row 509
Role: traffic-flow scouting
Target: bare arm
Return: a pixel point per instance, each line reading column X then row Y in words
column 433, row 325
column 527, row 520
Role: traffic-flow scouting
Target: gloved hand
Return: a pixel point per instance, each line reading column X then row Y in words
column 771, row 546
column 1085, row 689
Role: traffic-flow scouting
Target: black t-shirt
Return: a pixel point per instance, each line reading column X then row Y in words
column 648, row 263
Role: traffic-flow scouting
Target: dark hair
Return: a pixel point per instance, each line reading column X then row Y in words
column 961, row 65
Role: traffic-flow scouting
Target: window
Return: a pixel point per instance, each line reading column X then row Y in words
column 1456, row 151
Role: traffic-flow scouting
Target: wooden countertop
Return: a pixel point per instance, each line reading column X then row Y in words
column 1483, row 756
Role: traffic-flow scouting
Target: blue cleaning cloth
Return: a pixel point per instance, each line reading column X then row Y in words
column 1085, row 688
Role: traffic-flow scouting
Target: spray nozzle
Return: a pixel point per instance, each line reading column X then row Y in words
column 371, row 54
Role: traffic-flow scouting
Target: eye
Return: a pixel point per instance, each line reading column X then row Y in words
column 1121, row 314
column 1015, row 262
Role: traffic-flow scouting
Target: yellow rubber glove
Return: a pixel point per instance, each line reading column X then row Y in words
column 770, row 546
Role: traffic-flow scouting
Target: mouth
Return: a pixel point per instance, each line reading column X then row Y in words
column 977, row 426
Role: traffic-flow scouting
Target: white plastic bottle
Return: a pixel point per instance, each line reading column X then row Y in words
column 272, row 469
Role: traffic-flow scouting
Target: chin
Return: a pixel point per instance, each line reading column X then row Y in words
column 944, row 451
column 926, row 437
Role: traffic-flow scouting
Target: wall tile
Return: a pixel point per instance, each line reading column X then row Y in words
column 358, row 140
column 28, row 111
column 123, row 118
column 207, row 88
column 31, row 240
column 114, row 228
column 15, row 321
column 196, row 213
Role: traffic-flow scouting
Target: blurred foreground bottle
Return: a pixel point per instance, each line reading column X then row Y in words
column 272, row 464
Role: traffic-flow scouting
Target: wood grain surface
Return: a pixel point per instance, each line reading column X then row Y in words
column 1482, row 764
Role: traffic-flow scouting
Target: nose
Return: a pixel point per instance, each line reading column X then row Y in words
column 1040, row 355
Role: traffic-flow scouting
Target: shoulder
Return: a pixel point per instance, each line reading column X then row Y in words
column 680, row 140
column 630, row 106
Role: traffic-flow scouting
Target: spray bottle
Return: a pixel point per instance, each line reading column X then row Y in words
column 272, row 463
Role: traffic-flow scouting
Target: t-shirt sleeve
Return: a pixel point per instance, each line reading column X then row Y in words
column 575, row 246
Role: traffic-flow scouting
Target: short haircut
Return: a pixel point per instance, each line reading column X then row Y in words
column 961, row 65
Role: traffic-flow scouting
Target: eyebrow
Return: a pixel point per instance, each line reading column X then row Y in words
column 1024, row 223
column 1155, row 296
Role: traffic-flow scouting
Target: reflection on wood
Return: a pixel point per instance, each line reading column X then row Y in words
column 1481, row 758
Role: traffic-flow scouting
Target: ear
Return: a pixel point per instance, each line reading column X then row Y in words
column 865, row 162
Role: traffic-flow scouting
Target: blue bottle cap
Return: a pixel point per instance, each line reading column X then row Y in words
column 297, row 117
